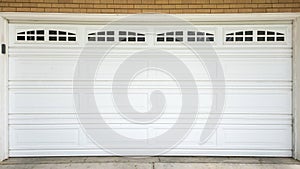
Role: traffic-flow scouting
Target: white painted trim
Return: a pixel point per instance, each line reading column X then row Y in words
column 105, row 18
column 296, row 87
column 3, row 92
column 21, row 17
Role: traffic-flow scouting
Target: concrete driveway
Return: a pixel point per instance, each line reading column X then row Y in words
column 150, row 163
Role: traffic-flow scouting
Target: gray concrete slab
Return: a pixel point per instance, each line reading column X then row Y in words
column 61, row 160
column 150, row 163
column 243, row 160
column 223, row 166
column 81, row 166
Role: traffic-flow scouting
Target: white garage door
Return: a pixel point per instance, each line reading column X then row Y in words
column 256, row 60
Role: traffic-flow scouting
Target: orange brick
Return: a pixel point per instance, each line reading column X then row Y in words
column 202, row 10
column 285, row 1
column 37, row 1
column 146, row 6
column 194, row 6
column 278, row 5
column 201, row 2
column 222, row 6
column 114, row 6
column 290, row 5
column 107, row 10
column 77, row 1
column 258, row 10
column 37, row 9
column 188, row 10
column 29, row 4
column 264, row 5
column 134, row 11
column 258, row 1
column 107, row 1
column 8, row 9
column 4, row 4
column 66, row 10
column 72, row 5
column 93, row 10
column 58, row 5
column 79, row 10
column 251, row 5
column 53, row 1
column 175, row 11
column 217, row 11
column 272, row 10
column 168, row 6
column 51, row 9
column 244, row 1
column 23, row 9
column 245, row 10
column 44, row 5
column 148, row 10
column 134, row 1
column 120, row 1
column 296, row 10
column 148, row 1
column 175, row 1
column 209, row 6
column 155, row 6
column 99, row 6
column 216, row 1
column 141, row 6
column 120, row 10
column 236, row 6
column 230, row 1
column 231, row 10
column 15, row 4
column 285, row 10
column 65, row 1
column 181, row 6
column 161, row 1
column 86, row 6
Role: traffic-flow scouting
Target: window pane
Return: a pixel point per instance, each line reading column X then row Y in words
column 239, row 39
column 248, row 39
column 261, row 32
column 62, row 39
column 160, row 39
column 141, row 39
column 261, row 39
column 280, row 38
column 40, row 38
column 71, row 38
column 170, row 39
column 52, row 38
column 30, row 38
column 248, row 32
column 91, row 38
column 20, row 37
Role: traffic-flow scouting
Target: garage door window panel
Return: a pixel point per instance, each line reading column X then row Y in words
column 61, row 36
column 31, row 35
column 255, row 36
column 185, row 36
column 116, row 36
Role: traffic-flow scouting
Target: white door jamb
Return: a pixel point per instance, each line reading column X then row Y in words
column 3, row 89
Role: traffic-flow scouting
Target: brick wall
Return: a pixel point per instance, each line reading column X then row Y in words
column 149, row 6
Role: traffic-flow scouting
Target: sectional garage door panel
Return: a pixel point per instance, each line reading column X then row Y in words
column 256, row 61
column 63, row 69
